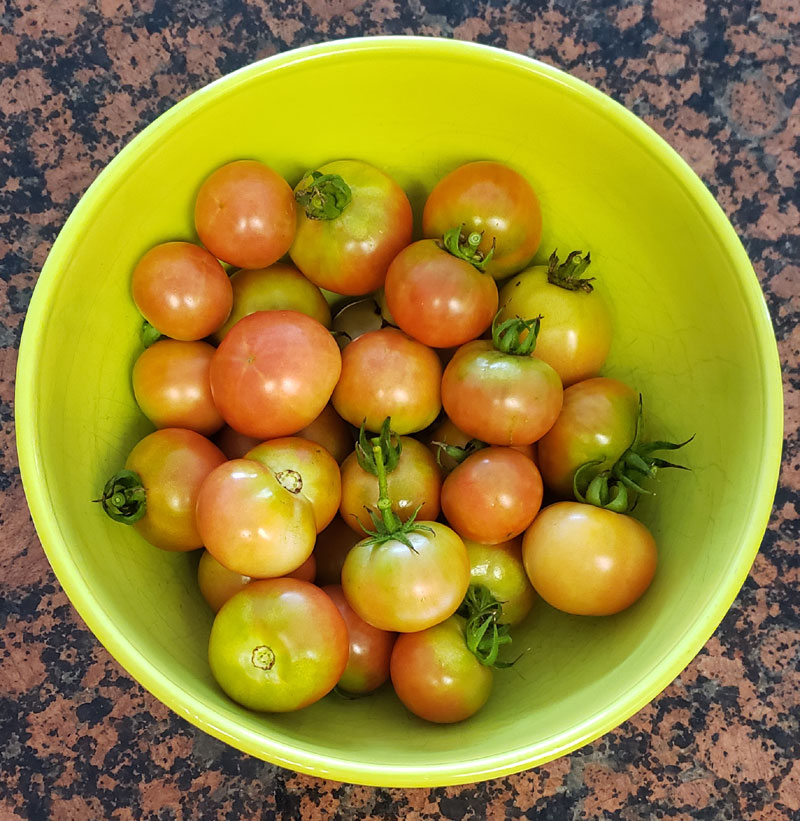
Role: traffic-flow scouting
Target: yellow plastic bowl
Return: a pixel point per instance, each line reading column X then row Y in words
column 692, row 333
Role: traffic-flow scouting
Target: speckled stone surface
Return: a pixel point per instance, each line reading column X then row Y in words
column 719, row 80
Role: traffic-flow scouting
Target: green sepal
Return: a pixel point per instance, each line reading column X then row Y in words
column 568, row 274
column 483, row 633
column 506, row 336
column 456, row 453
column 149, row 334
column 323, row 196
column 466, row 247
column 389, row 443
column 124, row 498
column 382, row 534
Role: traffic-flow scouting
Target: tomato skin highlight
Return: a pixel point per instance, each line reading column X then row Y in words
column 437, row 298
column 500, row 398
column 182, row 290
column 251, row 524
column 245, row 214
column 394, row 588
column 492, row 198
column 172, row 387
column 387, row 373
column 588, row 561
column 415, row 483
column 492, row 496
column 436, row 676
column 278, row 645
column 351, row 253
column 172, row 463
column 597, row 422
column 274, row 373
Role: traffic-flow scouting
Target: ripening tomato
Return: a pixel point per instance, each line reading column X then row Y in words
column 279, row 287
column 278, row 645
column 436, row 676
column 596, row 424
column 386, row 373
column 274, row 373
column 352, row 220
column 182, row 290
column 370, row 649
column 499, row 568
column 492, row 496
column 234, row 444
column 172, row 387
column 304, row 467
column 331, row 549
column 492, row 199
column 245, row 214
column 416, row 482
column 403, row 589
column 438, row 297
column 576, row 331
column 251, row 523
column 588, row 561
column 157, row 491
column 330, row 431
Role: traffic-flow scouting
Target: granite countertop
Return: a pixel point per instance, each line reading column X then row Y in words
column 719, row 80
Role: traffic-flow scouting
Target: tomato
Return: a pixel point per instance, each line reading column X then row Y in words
column 172, row 388
column 386, row 373
column 446, row 433
column 439, row 298
column 491, row 198
column 182, row 290
column 394, row 587
column 492, row 496
column 352, row 220
column 575, row 336
column 330, row 431
column 500, row 570
column 416, row 482
column 436, row 676
column 279, row 287
column 356, row 319
column 274, row 373
column 245, row 214
column 251, row 523
column 588, row 561
column 331, row 549
column 597, row 423
column 278, row 645
column 304, row 467
column 498, row 397
column 234, row 444
column 157, row 491
column 370, row 649
column 307, row 571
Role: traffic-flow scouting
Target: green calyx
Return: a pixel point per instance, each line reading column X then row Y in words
column 465, row 247
column 124, row 498
column 379, row 455
column 456, row 453
column 508, row 335
column 618, row 487
column 323, row 196
column 483, row 632
column 149, row 334
column 568, row 274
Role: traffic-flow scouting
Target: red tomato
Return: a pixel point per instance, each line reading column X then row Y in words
column 575, row 336
column 438, row 298
column 499, row 568
column 597, row 423
column 394, row 587
column 182, row 290
column 491, row 198
column 386, row 373
column 251, row 523
column 436, row 676
column 370, row 649
column 345, row 242
column 158, row 489
column 330, row 431
column 234, row 444
column 245, row 214
column 172, row 388
column 277, row 288
column 331, row 549
column 588, row 561
column 304, row 467
column 415, row 482
column 492, row 496
column 274, row 373
column 307, row 571
column 500, row 398
column 278, row 645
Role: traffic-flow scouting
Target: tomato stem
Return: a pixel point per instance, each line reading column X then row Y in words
column 124, row 497
column 323, row 196
column 390, row 520
column 567, row 275
column 507, row 336
column 466, row 247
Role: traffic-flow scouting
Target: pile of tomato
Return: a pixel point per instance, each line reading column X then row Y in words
column 367, row 488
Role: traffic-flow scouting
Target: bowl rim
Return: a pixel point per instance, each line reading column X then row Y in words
column 303, row 759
